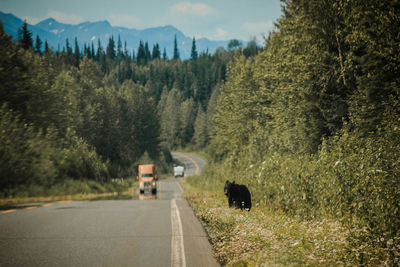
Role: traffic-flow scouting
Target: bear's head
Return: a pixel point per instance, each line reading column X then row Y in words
column 227, row 187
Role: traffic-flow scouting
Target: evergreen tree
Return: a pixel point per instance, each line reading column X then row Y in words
column 13, row 85
column 46, row 47
column 141, row 54
column 176, row 51
column 68, row 48
column 374, row 62
column 237, row 107
column 133, row 54
column 165, row 57
column 126, row 53
column 170, row 118
column 110, row 51
column 101, row 57
column 120, row 52
column 92, row 52
column 99, row 50
column 77, row 53
column 188, row 115
column 38, row 45
column 251, row 49
column 193, row 54
column 25, row 37
column 234, row 44
column 156, row 54
column 147, row 52
column 87, row 51
column 200, row 137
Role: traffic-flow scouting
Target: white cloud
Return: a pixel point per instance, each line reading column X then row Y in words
column 125, row 20
column 221, row 34
column 257, row 28
column 32, row 20
column 190, row 18
column 192, row 9
column 64, row 17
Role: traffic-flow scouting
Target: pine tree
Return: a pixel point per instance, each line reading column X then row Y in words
column 234, row 44
column 141, row 54
column 99, row 50
column 188, row 115
column 176, row 51
column 156, row 54
column 237, row 107
column 25, row 37
column 68, row 48
column 251, row 49
column 200, row 136
column 111, row 48
column 87, row 51
column 165, row 57
column 193, row 54
column 46, row 47
column 92, row 52
column 133, row 54
column 147, row 52
column 120, row 53
column 77, row 53
column 38, row 45
column 126, row 53
column 170, row 118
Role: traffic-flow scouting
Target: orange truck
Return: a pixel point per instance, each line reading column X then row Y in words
column 147, row 178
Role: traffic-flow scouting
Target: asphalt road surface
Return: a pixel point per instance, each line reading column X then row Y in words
column 148, row 232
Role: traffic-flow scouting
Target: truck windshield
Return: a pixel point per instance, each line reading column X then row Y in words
column 146, row 175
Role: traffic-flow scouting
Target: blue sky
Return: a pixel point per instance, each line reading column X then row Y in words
column 214, row 19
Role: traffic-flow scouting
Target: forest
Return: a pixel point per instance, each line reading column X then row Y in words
column 85, row 114
column 310, row 122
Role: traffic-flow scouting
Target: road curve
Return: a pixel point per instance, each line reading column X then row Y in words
column 193, row 163
column 157, row 232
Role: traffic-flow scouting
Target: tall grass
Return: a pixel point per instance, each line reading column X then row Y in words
column 352, row 179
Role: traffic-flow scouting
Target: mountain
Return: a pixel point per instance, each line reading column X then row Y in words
column 87, row 32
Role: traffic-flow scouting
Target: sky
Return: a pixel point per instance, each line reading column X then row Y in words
column 213, row 19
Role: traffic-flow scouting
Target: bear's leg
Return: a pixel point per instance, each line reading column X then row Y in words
column 230, row 201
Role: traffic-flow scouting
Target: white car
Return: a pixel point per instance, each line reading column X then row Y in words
column 179, row 171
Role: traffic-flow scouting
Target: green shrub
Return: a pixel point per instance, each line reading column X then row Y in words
column 26, row 156
column 352, row 178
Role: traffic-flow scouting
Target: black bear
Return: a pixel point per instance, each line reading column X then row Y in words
column 238, row 195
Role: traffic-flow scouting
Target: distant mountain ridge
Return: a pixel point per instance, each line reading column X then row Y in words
column 87, row 32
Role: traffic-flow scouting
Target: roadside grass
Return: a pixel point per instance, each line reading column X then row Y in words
column 264, row 236
column 72, row 190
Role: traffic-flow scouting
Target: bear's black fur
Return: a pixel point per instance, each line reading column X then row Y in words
column 238, row 195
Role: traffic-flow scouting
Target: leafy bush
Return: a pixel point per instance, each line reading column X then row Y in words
column 26, row 156
column 354, row 179
column 32, row 159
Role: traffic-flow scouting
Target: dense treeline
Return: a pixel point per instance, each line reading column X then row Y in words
column 86, row 114
column 312, row 123
column 61, row 122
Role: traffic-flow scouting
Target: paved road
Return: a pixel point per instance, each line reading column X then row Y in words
column 160, row 232
column 193, row 163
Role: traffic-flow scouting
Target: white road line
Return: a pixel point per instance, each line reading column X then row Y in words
column 177, row 247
